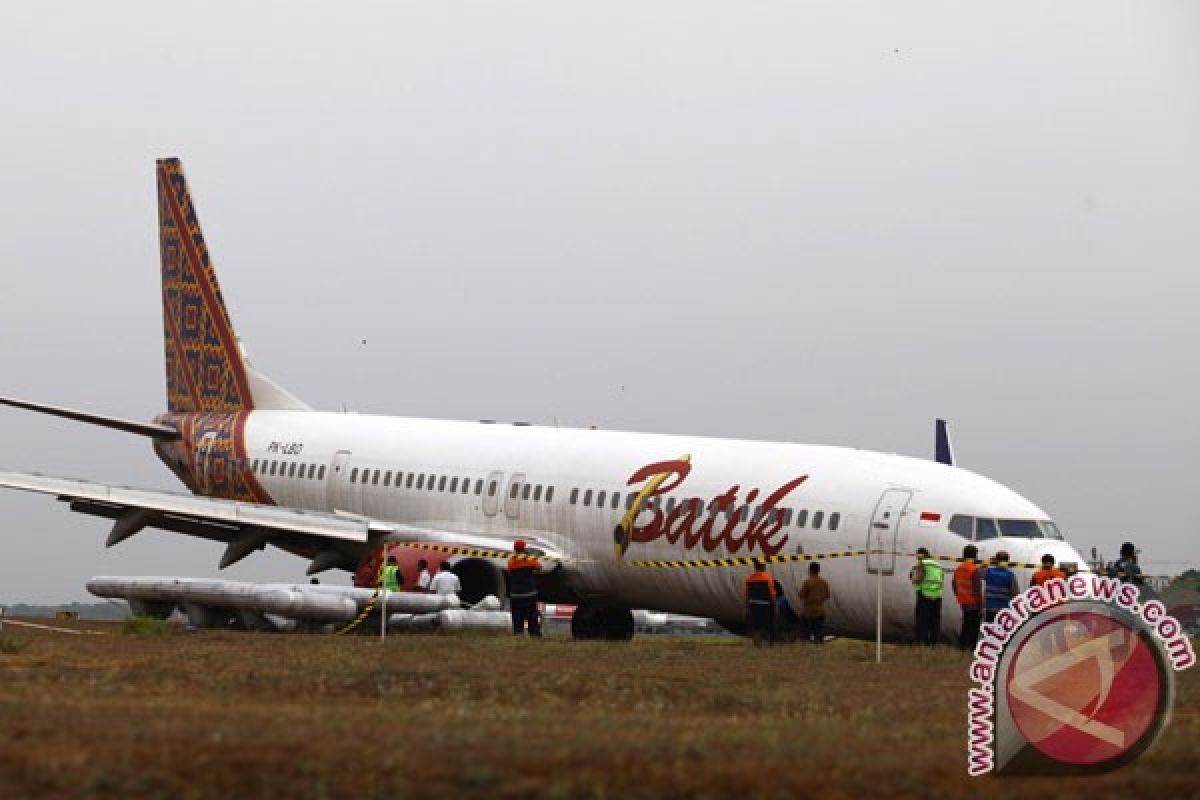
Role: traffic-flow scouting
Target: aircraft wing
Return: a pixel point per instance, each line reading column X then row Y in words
column 331, row 539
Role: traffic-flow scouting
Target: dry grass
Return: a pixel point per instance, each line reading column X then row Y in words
column 243, row 715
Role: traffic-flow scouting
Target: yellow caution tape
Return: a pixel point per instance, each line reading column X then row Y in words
column 370, row 606
column 477, row 552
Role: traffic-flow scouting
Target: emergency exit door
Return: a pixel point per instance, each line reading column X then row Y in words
column 341, row 492
column 885, row 526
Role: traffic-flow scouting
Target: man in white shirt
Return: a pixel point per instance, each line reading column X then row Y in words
column 445, row 582
column 423, row 576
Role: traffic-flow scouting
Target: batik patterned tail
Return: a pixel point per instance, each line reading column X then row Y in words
column 204, row 365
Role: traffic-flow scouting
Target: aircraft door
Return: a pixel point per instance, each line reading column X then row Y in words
column 885, row 525
column 203, row 455
column 512, row 495
column 491, row 492
column 341, row 493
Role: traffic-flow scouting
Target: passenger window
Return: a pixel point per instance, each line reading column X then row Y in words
column 834, row 520
column 745, row 513
column 292, row 470
column 408, row 482
column 466, row 484
column 431, row 484
column 399, row 479
column 616, row 500
column 964, row 526
column 801, row 517
column 600, row 498
column 479, row 487
column 254, row 466
column 421, row 481
column 787, row 517
column 442, row 484
column 312, row 471
column 587, row 497
column 354, row 475
column 758, row 512
column 454, row 485
column 513, row 490
column 574, row 496
column 537, row 493
column 375, row 478
column 985, row 529
column 629, row 500
column 818, row 518
column 525, row 492
column 549, row 493
column 387, row 478
column 321, row 473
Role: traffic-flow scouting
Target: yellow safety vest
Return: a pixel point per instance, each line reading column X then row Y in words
column 931, row 579
column 391, row 578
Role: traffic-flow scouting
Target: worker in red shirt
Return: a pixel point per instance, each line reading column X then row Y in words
column 760, row 604
column 522, row 590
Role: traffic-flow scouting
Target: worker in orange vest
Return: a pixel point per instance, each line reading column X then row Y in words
column 760, row 604
column 1054, row 639
column 968, row 591
column 522, row 590
column 1048, row 572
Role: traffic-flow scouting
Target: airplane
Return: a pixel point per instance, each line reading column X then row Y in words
column 620, row 520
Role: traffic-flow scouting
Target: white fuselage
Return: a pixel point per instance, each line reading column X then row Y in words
column 867, row 492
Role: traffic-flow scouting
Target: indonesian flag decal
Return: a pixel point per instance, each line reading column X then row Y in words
column 930, row 519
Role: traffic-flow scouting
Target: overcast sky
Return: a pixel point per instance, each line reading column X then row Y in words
column 817, row 222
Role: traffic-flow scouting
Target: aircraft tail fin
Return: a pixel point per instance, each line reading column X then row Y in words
column 204, row 363
column 943, row 454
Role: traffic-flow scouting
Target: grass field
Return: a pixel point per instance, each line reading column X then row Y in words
column 244, row 715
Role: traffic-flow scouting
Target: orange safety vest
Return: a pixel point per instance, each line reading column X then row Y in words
column 759, row 577
column 964, row 585
column 1043, row 575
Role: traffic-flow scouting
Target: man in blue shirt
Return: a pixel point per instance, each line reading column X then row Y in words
column 999, row 586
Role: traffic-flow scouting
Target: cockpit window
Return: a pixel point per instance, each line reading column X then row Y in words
column 1051, row 530
column 962, row 525
column 1020, row 528
column 985, row 529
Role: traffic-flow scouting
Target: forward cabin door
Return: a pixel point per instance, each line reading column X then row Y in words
column 491, row 493
column 339, row 491
column 885, row 525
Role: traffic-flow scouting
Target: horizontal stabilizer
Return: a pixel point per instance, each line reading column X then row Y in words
column 118, row 423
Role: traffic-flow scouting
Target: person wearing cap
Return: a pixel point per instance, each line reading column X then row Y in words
column 1125, row 568
column 522, row 590
column 760, row 604
column 927, row 578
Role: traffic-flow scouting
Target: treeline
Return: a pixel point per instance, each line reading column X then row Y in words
column 115, row 610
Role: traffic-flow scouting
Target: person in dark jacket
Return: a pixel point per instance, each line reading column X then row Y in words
column 522, row 590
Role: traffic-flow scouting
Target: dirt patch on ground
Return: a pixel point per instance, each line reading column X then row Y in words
column 247, row 715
